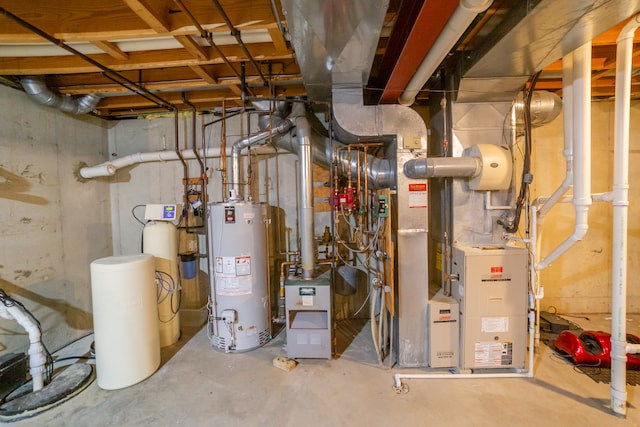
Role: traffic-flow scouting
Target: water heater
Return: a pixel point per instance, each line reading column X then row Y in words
column 239, row 317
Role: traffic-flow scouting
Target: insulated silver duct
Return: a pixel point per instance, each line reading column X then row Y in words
column 381, row 173
column 38, row 91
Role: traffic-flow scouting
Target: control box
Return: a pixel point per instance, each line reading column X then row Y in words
column 161, row 212
column 444, row 328
column 492, row 292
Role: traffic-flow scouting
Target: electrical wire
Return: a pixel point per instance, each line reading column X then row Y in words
column 133, row 212
column 526, row 166
column 167, row 288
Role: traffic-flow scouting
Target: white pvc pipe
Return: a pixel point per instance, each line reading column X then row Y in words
column 567, row 123
column 581, row 151
column 620, row 215
column 110, row 168
column 458, row 23
column 37, row 357
column 397, row 378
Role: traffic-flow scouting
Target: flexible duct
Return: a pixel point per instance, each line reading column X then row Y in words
column 39, row 92
column 278, row 128
column 619, row 345
column 462, row 17
column 581, row 151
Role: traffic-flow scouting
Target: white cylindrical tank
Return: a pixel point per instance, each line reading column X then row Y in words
column 240, row 314
column 160, row 239
column 125, row 320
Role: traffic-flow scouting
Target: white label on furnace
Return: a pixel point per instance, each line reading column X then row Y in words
column 307, row 300
column 218, row 265
column 488, row 354
column 495, row 324
column 418, row 197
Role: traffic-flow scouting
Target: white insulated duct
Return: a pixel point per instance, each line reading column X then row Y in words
column 581, row 151
column 619, row 346
column 462, row 17
column 109, row 168
column 38, row 91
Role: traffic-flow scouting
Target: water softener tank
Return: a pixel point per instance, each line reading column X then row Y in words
column 239, row 319
column 160, row 239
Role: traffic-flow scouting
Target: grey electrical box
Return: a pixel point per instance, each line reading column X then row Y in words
column 444, row 329
column 308, row 316
column 492, row 292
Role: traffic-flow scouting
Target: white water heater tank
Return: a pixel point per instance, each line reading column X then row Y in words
column 240, row 315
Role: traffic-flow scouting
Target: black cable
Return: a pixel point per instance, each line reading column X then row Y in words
column 133, row 209
column 526, row 164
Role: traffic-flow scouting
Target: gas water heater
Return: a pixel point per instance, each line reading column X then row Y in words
column 239, row 317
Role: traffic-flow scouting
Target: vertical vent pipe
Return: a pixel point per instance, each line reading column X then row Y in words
column 619, row 346
column 581, row 151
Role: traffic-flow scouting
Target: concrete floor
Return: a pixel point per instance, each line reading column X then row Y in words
column 198, row 386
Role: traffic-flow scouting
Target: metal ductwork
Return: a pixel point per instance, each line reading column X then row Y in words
column 530, row 37
column 37, row 90
column 277, row 128
column 381, row 173
column 334, row 40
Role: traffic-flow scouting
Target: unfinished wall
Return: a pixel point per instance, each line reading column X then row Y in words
column 580, row 281
column 51, row 225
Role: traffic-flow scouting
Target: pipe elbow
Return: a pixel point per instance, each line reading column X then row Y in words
column 475, row 6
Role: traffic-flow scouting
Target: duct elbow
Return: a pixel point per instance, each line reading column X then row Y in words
column 475, row 6
column 38, row 91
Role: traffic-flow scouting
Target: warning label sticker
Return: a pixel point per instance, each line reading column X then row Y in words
column 418, row 197
column 232, row 286
column 493, row 354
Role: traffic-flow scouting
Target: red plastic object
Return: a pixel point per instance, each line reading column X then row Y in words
column 593, row 348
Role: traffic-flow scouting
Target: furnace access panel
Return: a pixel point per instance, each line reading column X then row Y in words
column 492, row 294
